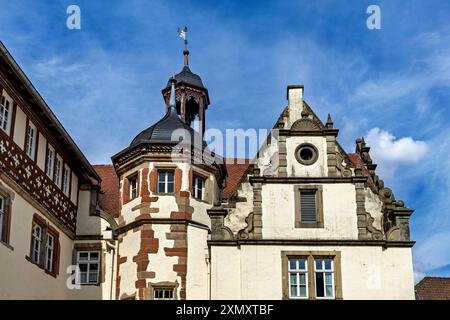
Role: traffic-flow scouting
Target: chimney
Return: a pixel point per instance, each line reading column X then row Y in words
column 295, row 103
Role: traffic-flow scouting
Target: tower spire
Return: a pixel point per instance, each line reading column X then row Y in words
column 172, row 102
column 183, row 35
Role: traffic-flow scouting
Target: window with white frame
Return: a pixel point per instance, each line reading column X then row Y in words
column 36, row 242
column 44, row 248
column 31, row 140
column 50, row 165
column 58, row 171
column 166, row 181
column 2, row 216
column 298, row 278
column 5, row 114
column 163, row 294
column 311, row 275
column 197, row 187
column 66, row 181
column 89, row 266
column 49, row 251
column 324, row 279
column 133, row 187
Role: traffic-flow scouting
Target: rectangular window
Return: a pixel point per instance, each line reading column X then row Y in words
column 49, row 249
column 197, row 187
column 298, row 278
column 133, row 187
column 66, row 181
column 2, row 216
column 50, row 165
column 323, row 269
column 163, row 294
column 31, row 141
column 308, row 208
column 44, row 247
column 5, row 114
column 58, row 168
column 311, row 275
column 166, row 181
column 36, row 243
column 89, row 264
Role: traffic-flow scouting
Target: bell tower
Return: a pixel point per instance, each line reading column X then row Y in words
column 192, row 99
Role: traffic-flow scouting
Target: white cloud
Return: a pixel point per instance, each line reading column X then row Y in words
column 388, row 151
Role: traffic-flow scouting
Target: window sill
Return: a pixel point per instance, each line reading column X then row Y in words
column 7, row 245
column 41, row 267
column 90, row 284
column 201, row 200
column 318, row 225
column 160, row 194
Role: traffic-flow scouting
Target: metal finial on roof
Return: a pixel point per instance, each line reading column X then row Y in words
column 182, row 33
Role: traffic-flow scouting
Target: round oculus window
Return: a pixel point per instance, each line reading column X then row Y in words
column 306, row 154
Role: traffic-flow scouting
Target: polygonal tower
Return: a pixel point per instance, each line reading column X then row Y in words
column 164, row 197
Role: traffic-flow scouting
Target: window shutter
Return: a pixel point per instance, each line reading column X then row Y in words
column 308, row 207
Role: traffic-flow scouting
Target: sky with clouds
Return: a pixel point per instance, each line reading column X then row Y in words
column 391, row 85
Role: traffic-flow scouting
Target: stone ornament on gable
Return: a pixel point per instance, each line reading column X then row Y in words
column 307, row 123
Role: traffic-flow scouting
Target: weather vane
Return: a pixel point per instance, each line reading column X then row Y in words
column 183, row 35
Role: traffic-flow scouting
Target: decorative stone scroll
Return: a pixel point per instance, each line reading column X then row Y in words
column 218, row 230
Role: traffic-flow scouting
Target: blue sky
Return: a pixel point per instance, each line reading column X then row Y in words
column 391, row 85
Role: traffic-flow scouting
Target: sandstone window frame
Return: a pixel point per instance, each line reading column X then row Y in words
column 318, row 189
column 89, row 262
column 311, row 256
column 133, row 183
column 41, row 261
column 166, row 171
column 164, row 285
column 91, row 247
column 309, row 148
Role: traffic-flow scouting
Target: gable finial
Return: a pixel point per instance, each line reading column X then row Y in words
column 329, row 124
column 182, row 33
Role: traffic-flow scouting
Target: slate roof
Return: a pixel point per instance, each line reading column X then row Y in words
column 161, row 131
column 188, row 77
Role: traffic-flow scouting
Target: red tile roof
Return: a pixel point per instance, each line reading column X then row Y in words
column 236, row 169
column 109, row 196
column 433, row 288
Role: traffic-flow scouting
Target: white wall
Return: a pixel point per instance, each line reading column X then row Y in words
column 19, row 127
column 339, row 213
column 255, row 272
column 295, row 168
column 197, row 275
column 19, row 278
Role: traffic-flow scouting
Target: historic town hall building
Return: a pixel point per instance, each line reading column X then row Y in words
column 168, row 219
